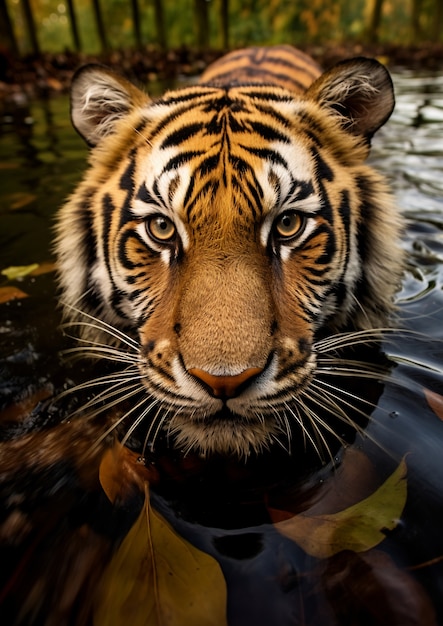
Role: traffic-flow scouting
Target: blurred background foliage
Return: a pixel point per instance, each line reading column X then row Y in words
column 94, row 26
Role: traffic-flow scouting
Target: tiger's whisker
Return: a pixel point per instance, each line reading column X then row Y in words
column 120, row 420
column 114, row 393
column 139, row 419
column 101, row 353
column 316, row 421
column 299, row 420
column 121, row 377
column 100, row 324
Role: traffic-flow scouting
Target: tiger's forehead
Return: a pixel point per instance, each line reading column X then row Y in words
column 239, row 144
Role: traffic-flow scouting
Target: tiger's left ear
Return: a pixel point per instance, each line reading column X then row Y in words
column 99, row 99
column 359, row 91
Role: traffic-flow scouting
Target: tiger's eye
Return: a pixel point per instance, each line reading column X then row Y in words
column 288, row 225
column 160, row 228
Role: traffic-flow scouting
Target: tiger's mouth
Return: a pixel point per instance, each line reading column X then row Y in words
column 226, row 416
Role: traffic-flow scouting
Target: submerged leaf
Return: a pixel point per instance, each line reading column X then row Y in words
column 21, row 199
column 19, row 271
column 18, row 411
column 353, row 480
column 11, row 293
column 157, row 578
column 435, row 401
column 357, row 528
column 372, row 586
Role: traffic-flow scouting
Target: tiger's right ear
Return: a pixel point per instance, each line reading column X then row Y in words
column 99, row 99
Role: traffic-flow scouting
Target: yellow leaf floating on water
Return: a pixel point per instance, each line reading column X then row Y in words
column 157, row 578
column 19, row 271
column 358, row 528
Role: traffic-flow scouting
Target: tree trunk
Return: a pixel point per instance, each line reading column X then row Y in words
column 73, row 23
column 202, row 23
column 6, row 29
column 100, row 25
column 437, row 25
column 160, row 24
column 136, row 23
column 415, row 20
column 30, row 26
column 375, row 20
column 224, row 18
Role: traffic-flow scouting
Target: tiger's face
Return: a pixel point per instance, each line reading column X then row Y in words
column 225, row 234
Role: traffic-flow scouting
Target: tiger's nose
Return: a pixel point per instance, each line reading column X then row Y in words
column 225, row 387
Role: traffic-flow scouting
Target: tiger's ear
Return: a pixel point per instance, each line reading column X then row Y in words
column 360, row 91
column 99, row 98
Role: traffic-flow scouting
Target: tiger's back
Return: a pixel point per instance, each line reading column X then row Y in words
column 282, row 66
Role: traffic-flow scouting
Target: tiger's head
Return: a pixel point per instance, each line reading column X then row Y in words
column 224, row 238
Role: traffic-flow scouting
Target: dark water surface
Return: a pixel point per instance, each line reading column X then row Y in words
column 270, row 579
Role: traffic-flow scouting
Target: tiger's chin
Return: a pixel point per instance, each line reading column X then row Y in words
column 224, row 433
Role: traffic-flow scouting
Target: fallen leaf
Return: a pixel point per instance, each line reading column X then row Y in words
column 121, row 471
column 20, row 410
column 372, row 586
column 11, row 293
column 357, row 528
column 21, row 199
column 43, row 268
column 19, row 271
column 157, row 578
column 354, row 480
column 435, row 401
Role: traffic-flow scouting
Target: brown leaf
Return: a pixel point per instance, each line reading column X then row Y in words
column 357, row 528
column 354, row 480
column 20, row 410
column 43, row 268
column 157, row 578
column 11, row 293
column 372, row 584
column 21, row 199
column 122, row 471
column 435, row 401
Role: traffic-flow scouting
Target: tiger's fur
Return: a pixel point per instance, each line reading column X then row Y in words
column 277, row 235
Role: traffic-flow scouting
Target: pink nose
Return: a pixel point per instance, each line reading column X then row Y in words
column 225, row 386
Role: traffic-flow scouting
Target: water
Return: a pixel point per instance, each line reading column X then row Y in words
column 269, row 577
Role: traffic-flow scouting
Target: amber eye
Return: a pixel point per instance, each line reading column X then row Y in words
column 160, row 228
column 288, row 225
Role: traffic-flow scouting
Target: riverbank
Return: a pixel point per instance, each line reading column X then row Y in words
column 32, row 76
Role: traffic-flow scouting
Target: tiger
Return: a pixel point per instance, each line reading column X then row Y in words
column 227, row 239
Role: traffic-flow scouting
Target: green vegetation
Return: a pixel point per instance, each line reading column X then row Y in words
column 91, row 26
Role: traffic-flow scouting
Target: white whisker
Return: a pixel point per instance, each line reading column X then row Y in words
column 306, row 434
column 100, row 325
column 117, row 378
column 139, row 419
column 120, row 420
column 114, row 392
column 108, row 353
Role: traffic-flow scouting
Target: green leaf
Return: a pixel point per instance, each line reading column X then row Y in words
column 157, row 578
column 19, row 271
column 357, row 528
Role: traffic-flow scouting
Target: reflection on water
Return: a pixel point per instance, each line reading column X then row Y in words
column 40, row 161
column 270, row 579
